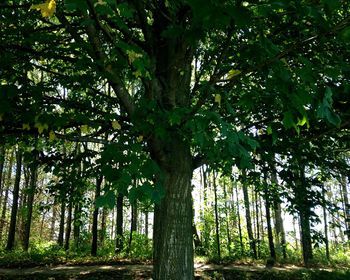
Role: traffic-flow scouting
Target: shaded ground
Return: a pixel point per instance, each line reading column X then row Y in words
column 144, row 271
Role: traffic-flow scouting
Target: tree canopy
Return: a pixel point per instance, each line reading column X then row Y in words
column 163, row 87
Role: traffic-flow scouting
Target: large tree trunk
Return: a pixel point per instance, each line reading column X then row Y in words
column 12, row 228
column 173, row 241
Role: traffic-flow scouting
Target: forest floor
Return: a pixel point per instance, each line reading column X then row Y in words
column 144, row 271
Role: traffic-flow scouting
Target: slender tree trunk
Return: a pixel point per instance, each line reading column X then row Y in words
column 197, row 241
column 95, row 217
column 205, row 233
column 53, row 220
column 30, row 200
column 42, row 225
column 239, row 222
column 112, row 227
column 77, row 224
column 173, row 240
column 146, row 224
column 62, row 218
column 257, row 213
column 252, row 243
column 325, row 222
column 295, row 234
column 227, row 218
column 217, row 231
column 341, row 232
column 269, row 227
column 12, row 228
column 304, row 216
column 103, row 225
column 22, row 204
column 69, row 226
column 119, row 224
column 133, row 224
column 7, row 187
column 2, row 163
column 279, row 228
column 345, row 196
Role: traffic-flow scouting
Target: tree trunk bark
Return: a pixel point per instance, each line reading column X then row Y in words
column 77, row 224
column 146, row 224
column 30, row 200
column 345, row 196
column 119, row 224
column 69, row 226
column 4, row 201
column 325, row 222
column 279, row 228
column 2, row 162
column 133, row 224
column 206, row 230
column 239, row 221
column 217, row 231
column 252, row 243
column 173, row 240
column 257, row 214
column 269, row 227
column 53, row 221
column 12, row 228
column 62, row 217
column 103, row 225
column 95, row 217
column 227, row 218
column 304, row 215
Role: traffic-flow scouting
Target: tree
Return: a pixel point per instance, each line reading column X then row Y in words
column 12, row 229
column 190, row 82
column 30, row 200
column 95, row 217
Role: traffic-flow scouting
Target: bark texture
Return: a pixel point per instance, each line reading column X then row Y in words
column 173, row 241
column 12, row 228
column 252, row 243
column 119, row 224
column 95, row 218
column 31, row 194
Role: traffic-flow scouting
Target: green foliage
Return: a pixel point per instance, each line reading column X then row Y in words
column 47, row 253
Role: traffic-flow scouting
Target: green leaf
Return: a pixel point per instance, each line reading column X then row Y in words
column 288, row 120
column 107, row 200
column 325, row 110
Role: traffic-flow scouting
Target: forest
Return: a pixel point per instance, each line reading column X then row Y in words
column 173, row 133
